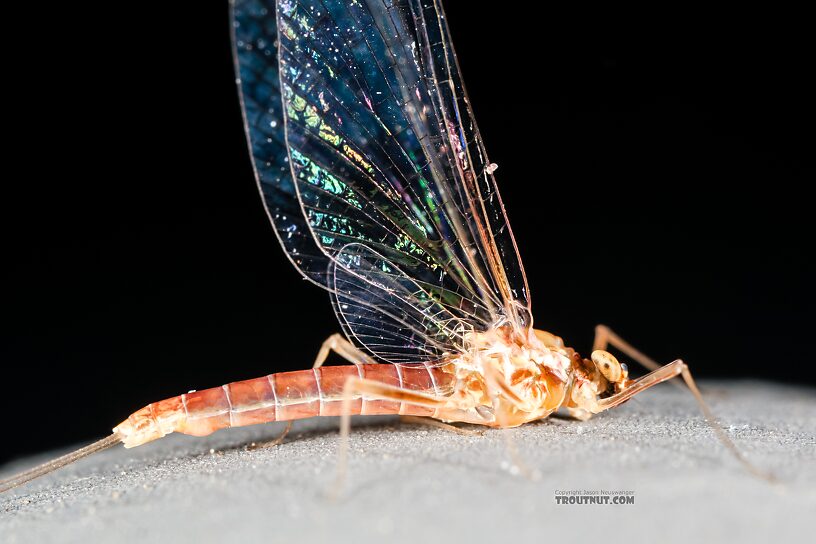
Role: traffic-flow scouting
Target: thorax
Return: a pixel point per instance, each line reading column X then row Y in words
column 504, row 380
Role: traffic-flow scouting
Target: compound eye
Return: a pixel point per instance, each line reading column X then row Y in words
column 608, row 365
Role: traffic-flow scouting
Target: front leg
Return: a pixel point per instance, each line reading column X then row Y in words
column 667, row 372
column 604, row 337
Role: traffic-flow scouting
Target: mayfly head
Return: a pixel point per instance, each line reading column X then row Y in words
column 615, row 374
column 593, row 381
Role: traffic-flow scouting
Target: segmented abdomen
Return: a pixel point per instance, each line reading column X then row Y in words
column 283, row 396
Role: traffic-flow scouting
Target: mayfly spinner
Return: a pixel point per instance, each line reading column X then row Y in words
column 374, row 175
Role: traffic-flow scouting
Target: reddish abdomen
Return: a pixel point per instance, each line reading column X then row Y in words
column 282, row 397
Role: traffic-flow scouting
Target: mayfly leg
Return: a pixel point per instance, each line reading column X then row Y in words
column 364, row 389
column 342, row 347
column 667, row 372
column 428, row 422
column 497, row 385
column 604, row 337
column 335, row 343
column 663, row 373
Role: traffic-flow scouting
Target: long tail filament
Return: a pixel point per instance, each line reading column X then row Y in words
column 59, row 462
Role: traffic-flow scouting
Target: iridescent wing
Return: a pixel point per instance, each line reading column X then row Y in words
column 255, row 45
column 373, row 171
column 386, row 310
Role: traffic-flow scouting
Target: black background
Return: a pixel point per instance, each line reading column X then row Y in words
column 653, row 166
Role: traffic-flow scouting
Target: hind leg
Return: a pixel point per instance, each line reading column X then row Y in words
column 361, row 388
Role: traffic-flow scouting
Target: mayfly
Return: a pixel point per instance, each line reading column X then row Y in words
column 375, row 178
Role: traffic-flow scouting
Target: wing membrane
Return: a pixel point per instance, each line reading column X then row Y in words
column 389, row 201
column 475, row 173
column 395, row 317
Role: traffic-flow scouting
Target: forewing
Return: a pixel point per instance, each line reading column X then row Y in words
column 255, row 50
column 473, row 172
column 386, row 163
